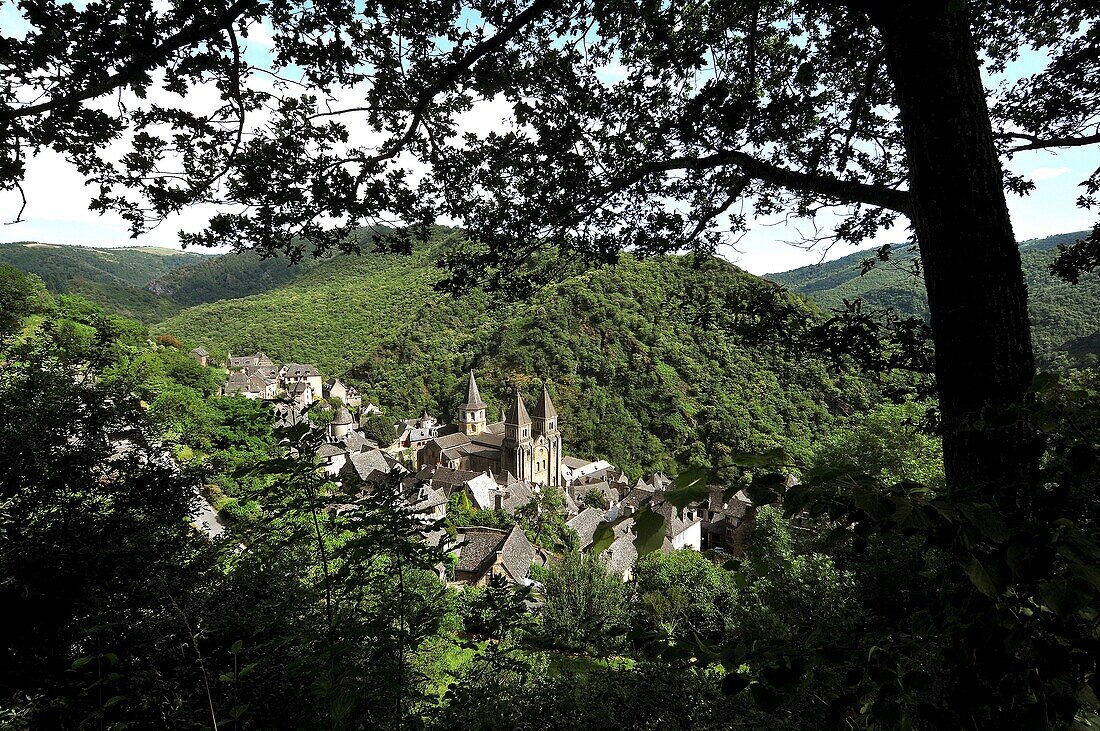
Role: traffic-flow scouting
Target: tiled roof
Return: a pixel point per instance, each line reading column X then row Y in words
column 621, row 555
column 478, row 548
column 299, row 370
column 488, row 439
column 518, row 494
column 450, row 441
column 480, row 545
column 482, row 489
column 370, row 465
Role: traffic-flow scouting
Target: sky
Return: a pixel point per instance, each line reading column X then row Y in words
column 57, row 198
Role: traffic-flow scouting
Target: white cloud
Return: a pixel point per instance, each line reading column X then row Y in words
column 1039, row 174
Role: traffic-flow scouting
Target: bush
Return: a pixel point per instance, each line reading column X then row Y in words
column 169, row 341
column 235, row 511
column 585, row 606
column 684, row 592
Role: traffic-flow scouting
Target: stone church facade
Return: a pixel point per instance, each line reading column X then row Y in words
column 526, row 445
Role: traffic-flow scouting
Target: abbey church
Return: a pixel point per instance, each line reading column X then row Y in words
column 525, row 445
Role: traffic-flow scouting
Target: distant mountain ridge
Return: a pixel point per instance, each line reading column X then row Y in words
column 1065, row 321
column 115, row 278
column 149, row 283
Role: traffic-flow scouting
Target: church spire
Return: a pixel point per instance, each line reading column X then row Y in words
column 473, row 396
column 544, row 409
column 517, row 413
column 471, row 413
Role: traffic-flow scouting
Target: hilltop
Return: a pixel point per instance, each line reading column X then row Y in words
column 650, row 361
column 1063, row 316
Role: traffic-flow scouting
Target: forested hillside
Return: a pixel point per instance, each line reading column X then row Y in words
column 227, row 277
column 1063, row 316
column 652, row 363
column 114, row 278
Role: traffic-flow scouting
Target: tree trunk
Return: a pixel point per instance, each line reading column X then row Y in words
column 976, row 292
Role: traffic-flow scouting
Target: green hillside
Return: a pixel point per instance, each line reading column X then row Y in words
column 115, row 278
column 227, row 277
column 1065, row 323
column 643, row 359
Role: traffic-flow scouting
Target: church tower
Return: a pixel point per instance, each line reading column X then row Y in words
column 516, row 449
column 546, row 453
column 471, row 413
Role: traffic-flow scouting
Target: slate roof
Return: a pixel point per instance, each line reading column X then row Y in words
column 445, row 477
column 674, row 524
column 342, row 417
column 450, row 441
column 621, row 555
column 638, row 497
column 330, row 450
column 585, row 523
column 488, row 439
column 473, row 396
column 571, row 507
column 287, row 415
column 517, row 412
column 247, row 360
column 425, row 497
column 201, row 351
column 479, row 547
column 299, row 370
column 574, row 462
column 609, row 493
column 482, row 489
column 518, row 495
column 370, row 466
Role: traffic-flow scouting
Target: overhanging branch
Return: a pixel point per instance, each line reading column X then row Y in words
column 1034, row 142
column 842, row 191
column 188, row 36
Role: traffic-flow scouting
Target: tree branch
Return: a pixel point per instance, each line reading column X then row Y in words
column 844, row 191
column 455, row 72
column 1034, row 142
column 187, row 36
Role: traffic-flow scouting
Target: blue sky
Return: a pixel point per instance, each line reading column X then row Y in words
column 57, row 206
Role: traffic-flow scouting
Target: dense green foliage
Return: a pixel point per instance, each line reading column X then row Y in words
column 228, row 277
column 1063, row 316
column 585, row 607
column 114, row 278
column 683, row 593
column 651, row 363
column 20, row 296
column 314, row 619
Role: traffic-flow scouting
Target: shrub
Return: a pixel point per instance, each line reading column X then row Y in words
column 169, row 341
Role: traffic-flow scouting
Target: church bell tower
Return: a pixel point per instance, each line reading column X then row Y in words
column 517, row 446
column 546, row 453
column 471, row 413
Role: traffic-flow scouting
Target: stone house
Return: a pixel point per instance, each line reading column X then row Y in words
column 292, row 374
column 336, row 389
column 241, row 362
column 487, row 552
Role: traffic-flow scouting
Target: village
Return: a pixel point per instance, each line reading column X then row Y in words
column 494, row 466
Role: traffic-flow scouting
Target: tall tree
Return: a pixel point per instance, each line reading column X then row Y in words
column 647, row 126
